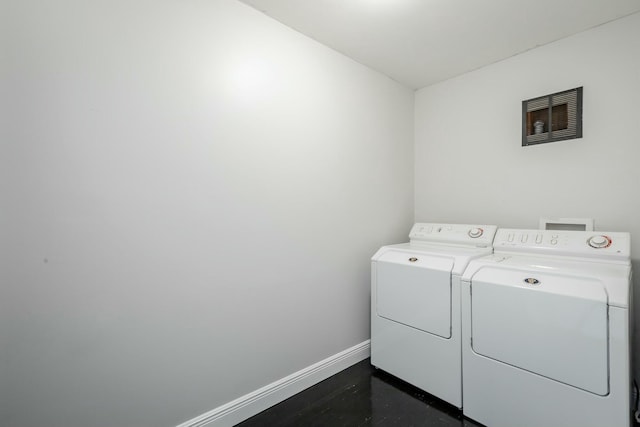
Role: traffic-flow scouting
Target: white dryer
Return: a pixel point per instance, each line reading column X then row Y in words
column 546, row 330
column 415, row 305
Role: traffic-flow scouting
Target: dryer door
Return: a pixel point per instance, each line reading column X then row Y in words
column 552, row 325
column 415, row 290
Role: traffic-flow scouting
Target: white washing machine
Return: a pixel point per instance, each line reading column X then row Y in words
column 546, row 330
column 415, row 305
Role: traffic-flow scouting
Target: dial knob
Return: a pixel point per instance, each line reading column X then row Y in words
column 599, row 241
column 475, row 232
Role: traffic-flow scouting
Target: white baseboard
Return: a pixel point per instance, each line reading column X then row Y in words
column 257, row 401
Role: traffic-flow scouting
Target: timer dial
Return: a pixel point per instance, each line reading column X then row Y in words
column 599, row 241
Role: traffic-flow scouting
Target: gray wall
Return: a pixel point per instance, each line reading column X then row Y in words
column 191, row 193
column 471, row 167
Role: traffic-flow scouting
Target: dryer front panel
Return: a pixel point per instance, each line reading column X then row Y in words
column 552, row 325
column 415, row 290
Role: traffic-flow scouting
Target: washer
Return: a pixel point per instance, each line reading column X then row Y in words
column 546, row 330
column 415, row 305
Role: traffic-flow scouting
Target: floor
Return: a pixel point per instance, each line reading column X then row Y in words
column 361, row 396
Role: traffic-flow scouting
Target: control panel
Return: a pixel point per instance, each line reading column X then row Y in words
column 465, row 234
column 591, row 244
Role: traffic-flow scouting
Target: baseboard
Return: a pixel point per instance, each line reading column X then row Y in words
column 257, row 401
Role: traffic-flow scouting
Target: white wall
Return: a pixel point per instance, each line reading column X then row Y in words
column 191, row 194
column 471, row 167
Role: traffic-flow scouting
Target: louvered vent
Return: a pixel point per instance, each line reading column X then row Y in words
column 554, row 117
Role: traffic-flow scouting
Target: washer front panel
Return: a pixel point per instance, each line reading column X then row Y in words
column 535, row 322
column 415, row 290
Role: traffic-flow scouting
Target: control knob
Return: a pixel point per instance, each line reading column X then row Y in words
column 475, row 232
column 599, row 241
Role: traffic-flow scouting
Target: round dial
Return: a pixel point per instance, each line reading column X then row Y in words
column 599, row 241
column 475, row 232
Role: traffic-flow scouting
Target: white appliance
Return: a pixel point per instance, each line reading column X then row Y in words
column 415, row 305
column 546, row 330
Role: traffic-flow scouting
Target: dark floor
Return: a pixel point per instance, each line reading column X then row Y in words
column 361, row 396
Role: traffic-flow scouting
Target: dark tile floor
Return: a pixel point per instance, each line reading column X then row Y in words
column 361, row 396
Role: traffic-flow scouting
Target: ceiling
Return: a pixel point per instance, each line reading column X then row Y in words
column 421, row 42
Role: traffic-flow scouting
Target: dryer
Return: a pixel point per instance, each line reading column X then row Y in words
column 415, row 305
column 546, row 330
